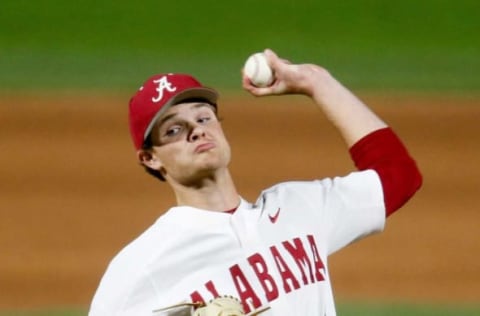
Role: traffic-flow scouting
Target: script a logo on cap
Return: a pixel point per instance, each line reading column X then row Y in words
column 162, row 84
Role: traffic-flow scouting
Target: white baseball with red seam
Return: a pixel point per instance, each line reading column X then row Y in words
column 258, row 71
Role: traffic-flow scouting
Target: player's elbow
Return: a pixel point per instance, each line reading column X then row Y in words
column 417, row 181
column 400, row 183
column 411, row 183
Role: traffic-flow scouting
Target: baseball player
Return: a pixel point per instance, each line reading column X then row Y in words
column 214, row 252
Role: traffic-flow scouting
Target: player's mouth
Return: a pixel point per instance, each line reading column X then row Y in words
column 204, row 147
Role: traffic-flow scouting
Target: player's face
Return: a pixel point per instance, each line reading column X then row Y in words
column 189, row 143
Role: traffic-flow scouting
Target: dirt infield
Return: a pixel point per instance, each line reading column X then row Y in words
column 72, row 194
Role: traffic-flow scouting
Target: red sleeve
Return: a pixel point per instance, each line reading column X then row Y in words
column 383, row 152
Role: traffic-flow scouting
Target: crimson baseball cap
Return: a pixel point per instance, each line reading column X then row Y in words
column 156, row 95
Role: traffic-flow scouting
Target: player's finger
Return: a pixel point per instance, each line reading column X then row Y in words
column 247, row 83
column 275, row 89
column 254, row 90
column 274, row 59
column 260, row 92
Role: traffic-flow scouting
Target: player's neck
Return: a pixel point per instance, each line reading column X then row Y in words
column 216, row 194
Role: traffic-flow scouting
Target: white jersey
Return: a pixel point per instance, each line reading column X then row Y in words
column 269, row 254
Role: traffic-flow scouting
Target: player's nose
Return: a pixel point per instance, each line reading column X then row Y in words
column 197, row 131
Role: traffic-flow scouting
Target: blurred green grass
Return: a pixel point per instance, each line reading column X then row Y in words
column 370, row 44
column 343, row 309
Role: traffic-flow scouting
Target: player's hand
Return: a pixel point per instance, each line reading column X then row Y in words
column 288, row 78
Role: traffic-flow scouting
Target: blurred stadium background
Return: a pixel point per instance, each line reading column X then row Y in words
column 67, row 68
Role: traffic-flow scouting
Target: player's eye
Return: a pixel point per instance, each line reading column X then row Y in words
column 173, row 131
column 203, row 119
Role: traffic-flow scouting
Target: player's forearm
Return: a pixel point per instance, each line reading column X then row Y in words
column 349, row 114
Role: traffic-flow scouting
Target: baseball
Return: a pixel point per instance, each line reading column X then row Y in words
column 258, row 71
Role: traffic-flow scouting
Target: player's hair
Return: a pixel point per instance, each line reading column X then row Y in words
column 148, row 143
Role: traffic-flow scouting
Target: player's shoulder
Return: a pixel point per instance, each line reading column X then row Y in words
column 146, row 248
column 290, row 190
column 323, row 184
column 302, row 185
column 128, row 269
column 142, row 249
column 131, row 257
column 292, row 185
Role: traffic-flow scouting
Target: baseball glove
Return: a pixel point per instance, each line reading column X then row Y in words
column 221, row 306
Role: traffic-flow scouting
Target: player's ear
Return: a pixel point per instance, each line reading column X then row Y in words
column 149, row 159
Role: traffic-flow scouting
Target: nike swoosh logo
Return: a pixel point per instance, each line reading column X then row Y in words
column 273, row 218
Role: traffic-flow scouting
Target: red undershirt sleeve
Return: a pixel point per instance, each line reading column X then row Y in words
column 383, row 152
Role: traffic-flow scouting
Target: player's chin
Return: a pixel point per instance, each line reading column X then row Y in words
column 211, row 165
column 198, row 176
